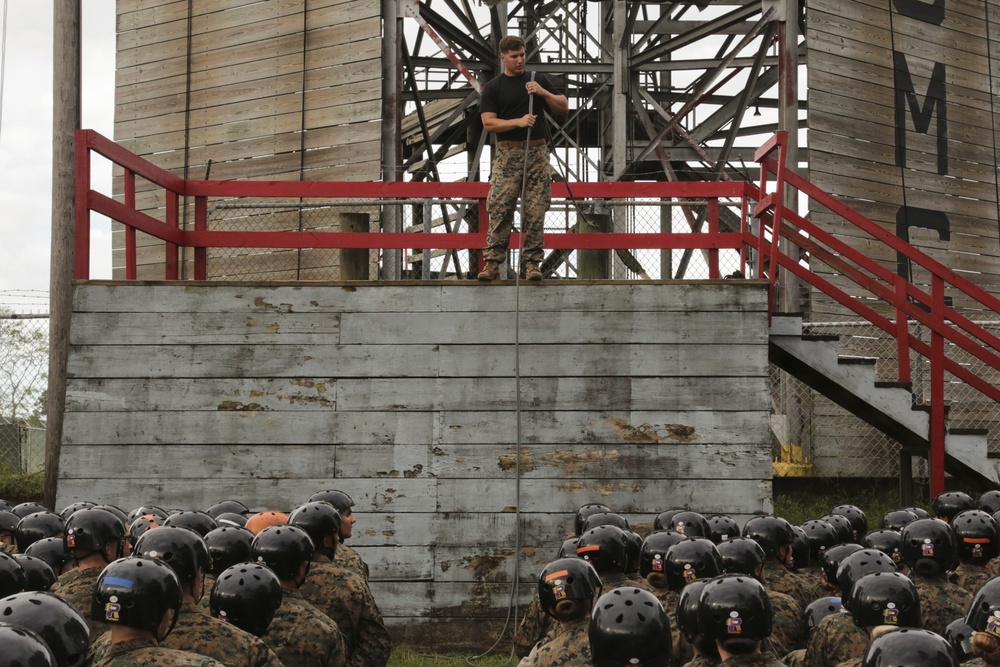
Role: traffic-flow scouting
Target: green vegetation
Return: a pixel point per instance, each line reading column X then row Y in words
column 18, row 487
column 405, row 656
column 798, row 505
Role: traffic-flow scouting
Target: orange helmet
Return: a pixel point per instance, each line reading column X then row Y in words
column 262, row 520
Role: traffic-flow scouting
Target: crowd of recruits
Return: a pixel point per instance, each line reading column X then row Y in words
column 94, row 585
column 920, row 590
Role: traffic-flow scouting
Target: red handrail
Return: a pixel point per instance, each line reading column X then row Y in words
column 908, row 302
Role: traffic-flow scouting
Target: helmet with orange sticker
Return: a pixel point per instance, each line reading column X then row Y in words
column 567, row 579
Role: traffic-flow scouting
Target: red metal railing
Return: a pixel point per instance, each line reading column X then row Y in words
column 883, row 297
column 201, row 238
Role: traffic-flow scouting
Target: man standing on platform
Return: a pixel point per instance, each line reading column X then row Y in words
column 522, row 156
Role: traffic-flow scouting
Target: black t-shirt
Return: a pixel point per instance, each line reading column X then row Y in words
column 507, row 97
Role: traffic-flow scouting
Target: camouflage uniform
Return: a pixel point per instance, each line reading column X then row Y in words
column 77, row 588
column 941, row 602
column 835, row 639
column 795, row 658
column 345, row 597
column 501, row 202
column 568, row 645
column 145, row 653
column 812, row 579
column 788, row 629
column 762, row 659
column 994, row 566
column 777, row 578
column 303, row 636
column 349, row 559
column 970, row 577
column 681, row 652
column 702, row 661
column 9, row 549
column 532, row 628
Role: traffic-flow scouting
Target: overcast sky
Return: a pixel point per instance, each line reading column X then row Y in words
column 26, row 136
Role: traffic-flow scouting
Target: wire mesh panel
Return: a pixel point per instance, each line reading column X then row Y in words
column 24, row 350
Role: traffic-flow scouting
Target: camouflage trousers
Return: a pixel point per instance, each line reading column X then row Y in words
column 505, row 186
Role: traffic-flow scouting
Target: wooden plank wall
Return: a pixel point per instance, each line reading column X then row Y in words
column 642, row 396
column 904, row 126
column 277, row 90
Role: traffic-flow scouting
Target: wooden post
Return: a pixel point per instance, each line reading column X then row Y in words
column 594, row 264
column 354, row 261
column 65, row 122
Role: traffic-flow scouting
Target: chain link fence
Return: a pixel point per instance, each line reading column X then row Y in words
column 419, row 216
column 812, row 436
column 24, row 353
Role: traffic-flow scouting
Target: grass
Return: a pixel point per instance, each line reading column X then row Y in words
column 406, row 656
column 18, row 487
column 798, row 502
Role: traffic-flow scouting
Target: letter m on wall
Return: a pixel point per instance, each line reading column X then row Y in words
column 934, row 104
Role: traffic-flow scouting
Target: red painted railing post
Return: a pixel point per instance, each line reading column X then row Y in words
column 131, row 254
column 81, row 204
column 171, row 268
column 902, row 333
column 937, row 425
column 713, row 229
column 201, row 225
column 483, row 228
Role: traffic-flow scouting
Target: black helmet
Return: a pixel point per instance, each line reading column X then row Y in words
column 653, row 554
column 741, row 555
column 180, row 548
column 606, row 547
column 959, row 635
column 50, row 617
column 819, row 609
column 52, row 550
column 8, row 522
column 843, row 527
column 897, row 519
column 199, row 522
column 231, row 519
column 226, row 507
column 920, row 512
column 984, row 612
column 885, row 540
column 39, row 576
column 605, row 519
column 338, row 499
column 629, row 627
column 800, row 550
column 858, row 564
column 568, row 548
column 884, row 598
column 145, row 510
column 929, row 547
column 283, row 549
column 228, row 546
column 665, row 520
column 114, row 509
column 946, row 505
column 5, row 506
column 770, row 532
column 24, row 648
column 567, row 579
column 909, row 646
column 90, row 529
column 820, row 536
column 832, row 559
column 721, row 527
column 633, row 549
column 26, row 509
column 989, row 502
column 141, row 525
column 585, row 511
column 318, row 518
column 687, row 609
column 247, row 596
column 690, row 559
column 12, row 578
column 136, row 592
column 734, row 607
column 35, row 527
column 854, row 514
column 978, row 536
column 67, row 511
column 690, row 524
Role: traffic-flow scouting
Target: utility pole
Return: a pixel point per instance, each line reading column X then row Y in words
column 65, row 122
